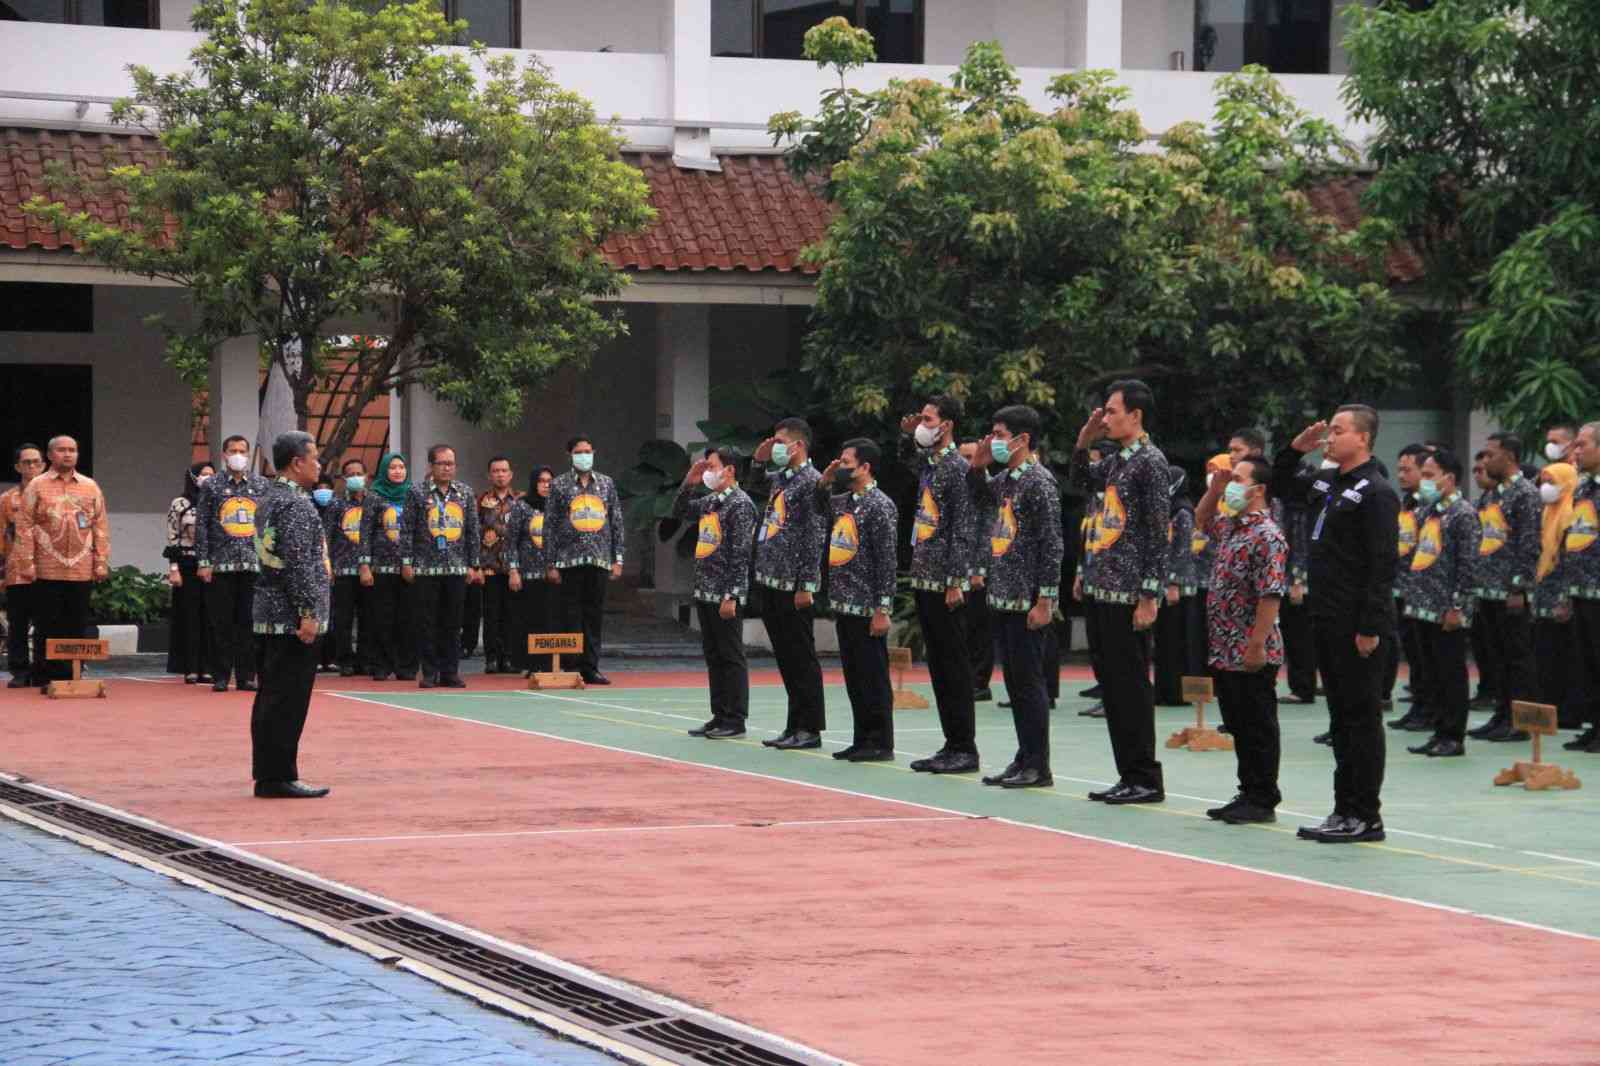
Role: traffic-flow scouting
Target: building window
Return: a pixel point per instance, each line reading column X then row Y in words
column 43, row 400
column 46, row 307
column 1285, row 36
column 497, row 23
column 131, row 14
column 776, row 29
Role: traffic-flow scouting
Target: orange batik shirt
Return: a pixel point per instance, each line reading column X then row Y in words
column 63, row 533
column 10, row 504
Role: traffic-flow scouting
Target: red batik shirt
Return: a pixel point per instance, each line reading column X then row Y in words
column 1252, row 561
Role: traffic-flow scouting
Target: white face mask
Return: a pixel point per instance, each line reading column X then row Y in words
column 1555, row 452
column 1328, row 464
column 711, row 479
column 1549, row 493
column 238, row 462
column 927, row 436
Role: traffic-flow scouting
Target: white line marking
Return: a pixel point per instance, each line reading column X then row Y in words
column 150, row 680
column 611, row 829
column 1007, row 821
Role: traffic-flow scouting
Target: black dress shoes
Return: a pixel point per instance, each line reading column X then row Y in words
column 1425, row 748
column 1444, row 748
column 1496, row 721
column 288, row 790
column 381, row 676
column 595, row 677
column 491, row 668
column 1309, row 832
column 1577, row 743
column 19, row 681
column 1028, row 778
column 1097, row 711
column 1004, row 704
column 247, row 686
column 1102, row 795
column 866, row 753
column 1323, row 738
column 724, row 731
column 1248, row 813
column 1217, row 812
column 1135, row 794
column 1010, row 771
column 220, row 686
column 799, row 740
column 1297, row 697
column 1504, row 733
column 983, row 695
column 1349, row 831
column 952, row 762
column 773, row 742
column 453, row 681
column 347, row 671
column 923, row 766
column 702, row 730
column 845, row 753
column 425, row 681
column 1091, row 693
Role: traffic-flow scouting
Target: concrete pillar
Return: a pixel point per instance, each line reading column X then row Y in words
column 683, row 398
column 235, row 385
column 688, row 39
column 1094, row 34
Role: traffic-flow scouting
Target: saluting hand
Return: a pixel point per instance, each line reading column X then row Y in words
column 909, row 423
column 983, row 457
column 827, row 475
column 695, row 472
column 1310, row 438
column 763, row 450
column 1093, row 429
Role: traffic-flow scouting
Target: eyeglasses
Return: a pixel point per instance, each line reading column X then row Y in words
column 30, row 462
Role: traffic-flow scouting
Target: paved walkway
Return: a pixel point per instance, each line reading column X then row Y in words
column 103, row 962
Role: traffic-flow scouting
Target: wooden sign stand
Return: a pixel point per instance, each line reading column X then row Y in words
column 1198, row 691
column 77, row 651
column 1536, row 776
column 555, row 645
column 900, row 662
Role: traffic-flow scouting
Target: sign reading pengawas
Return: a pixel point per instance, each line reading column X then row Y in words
column 555, row 645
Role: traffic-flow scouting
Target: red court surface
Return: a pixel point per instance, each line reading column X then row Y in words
column 873, row 930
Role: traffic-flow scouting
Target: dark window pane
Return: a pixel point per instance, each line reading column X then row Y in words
column 733, row 27
column 784, row 24
column 131, row 14
column 42, row 307
column 40, row 401
column 33, row 11
column 1285, row 36
column 489, row 21
column 894, row 29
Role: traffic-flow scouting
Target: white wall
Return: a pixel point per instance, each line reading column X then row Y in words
column 950, row 25
column 1032, row 32
column 1153, row 29
column 588, row 26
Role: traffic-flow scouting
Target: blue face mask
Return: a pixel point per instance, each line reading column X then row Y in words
column 583, row 462
column 355, row 483
column 1428, row 491
column 1235, row 496
column 780, row 454
column 322, row 496
column 1000, row 450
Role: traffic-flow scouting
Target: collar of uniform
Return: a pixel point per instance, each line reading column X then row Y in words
column 934, row 458
column 1445, row 503
column 1250, row 518
column 1139, row 442
column 1508, row 482
column 74, row 476
column 1368, row 470
column 298, row 491
column 870, row 486
column 1017, row 471
column 724, row 494
column 434, row 487
column 791, row 471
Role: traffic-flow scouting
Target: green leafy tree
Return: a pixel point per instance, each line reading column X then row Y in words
column 329, row 160
column 1006, row 254
column 1487, row 123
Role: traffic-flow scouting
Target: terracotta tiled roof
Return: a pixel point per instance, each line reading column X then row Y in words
column 753, row 215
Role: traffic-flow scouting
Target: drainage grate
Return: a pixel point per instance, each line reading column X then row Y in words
column 111, row 827
column 276, row 888
column 627, row 1021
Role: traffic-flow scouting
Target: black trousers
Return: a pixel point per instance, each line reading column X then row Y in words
column 980, row 638
column 1171, row 653
column 535, row 608
column 583, row 606
column 288, row 671
column 1511, row 636
column 352, row 624
column 394, row 638
column 228, row 600
column 1354, row 716
column 1091, row 635
column 1129, row 698
column 1050, row 657
column 727, row 672
column 60, row 611
column 1487, row 657
column 1022, row 666
column 438, row 606
column 1409, row 643
column 1444, row 656
column 1197, row 645
column 1586, row 678
column 190, row 652
column 1556, row 653
column 944, row 636
column 471, row 618
column 19, row 619
column 1248, row 702
column 794, row 642
column 865, row 659
column 499, row 620
column 1299, row 649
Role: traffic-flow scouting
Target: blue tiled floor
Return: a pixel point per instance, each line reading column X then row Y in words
column 105, row 963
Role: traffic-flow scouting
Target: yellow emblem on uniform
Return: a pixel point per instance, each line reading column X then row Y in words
column 1429, row 543
column 1004, row 531
column 1198, row 543
column 447, row 521
column 777, row 514
column 1408, row 533
column 350, row 524
column 391, row 524
column 1494, row 529
column 844, row 541
column 927, row 520
column 1584, row 528
column 238, row 516
column 1109, row 523
column 267, row 549
column 588, row 514
column 536, row 529
column 709, row 539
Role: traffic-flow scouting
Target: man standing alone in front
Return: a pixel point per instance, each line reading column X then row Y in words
column 289, row 611
column 225, row 559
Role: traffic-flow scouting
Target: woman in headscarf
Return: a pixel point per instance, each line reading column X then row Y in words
column 383, row 538
column 538, row 603
column 188, row 650
column 1554, row 645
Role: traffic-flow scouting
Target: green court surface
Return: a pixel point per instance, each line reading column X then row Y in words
column 1455, row 840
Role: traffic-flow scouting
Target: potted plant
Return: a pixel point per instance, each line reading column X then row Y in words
column 131, row 597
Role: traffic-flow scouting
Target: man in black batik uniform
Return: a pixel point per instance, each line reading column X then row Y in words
column 1508, row 557
column 1581, row 571
column 441, row 520
column 980, row 628
column 342, row 520
column 585, row 531
column 225, row 559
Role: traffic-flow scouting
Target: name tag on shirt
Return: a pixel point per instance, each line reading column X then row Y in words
column 439, row 542
column 83, row 520
column 1316, row 531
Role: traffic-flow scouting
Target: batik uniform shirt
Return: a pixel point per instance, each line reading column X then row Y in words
column 861, row 550
column 1444, row 563
column 225, row 533
column 1180, row 560
column 1550, row 594
column 983, row 516
column 1130, row 542
column 1508, row 553
column 292, row 550
column 1252, row 562
column 583, row 523
column 385, row 540
column 1202, row 556
column 182, row 518
column 1025, row 541
column 1580, row 554
column 1410, row 524
column 497, row 553
column 10, row 504
column 342, row 522
column 942, row 530
column 443, row 527
column 525, row 526
column 63, row 531
column 792, row 532
column 1088, row 534
column 724, row 541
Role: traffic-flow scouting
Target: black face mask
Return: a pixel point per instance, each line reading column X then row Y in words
column 842, row 478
